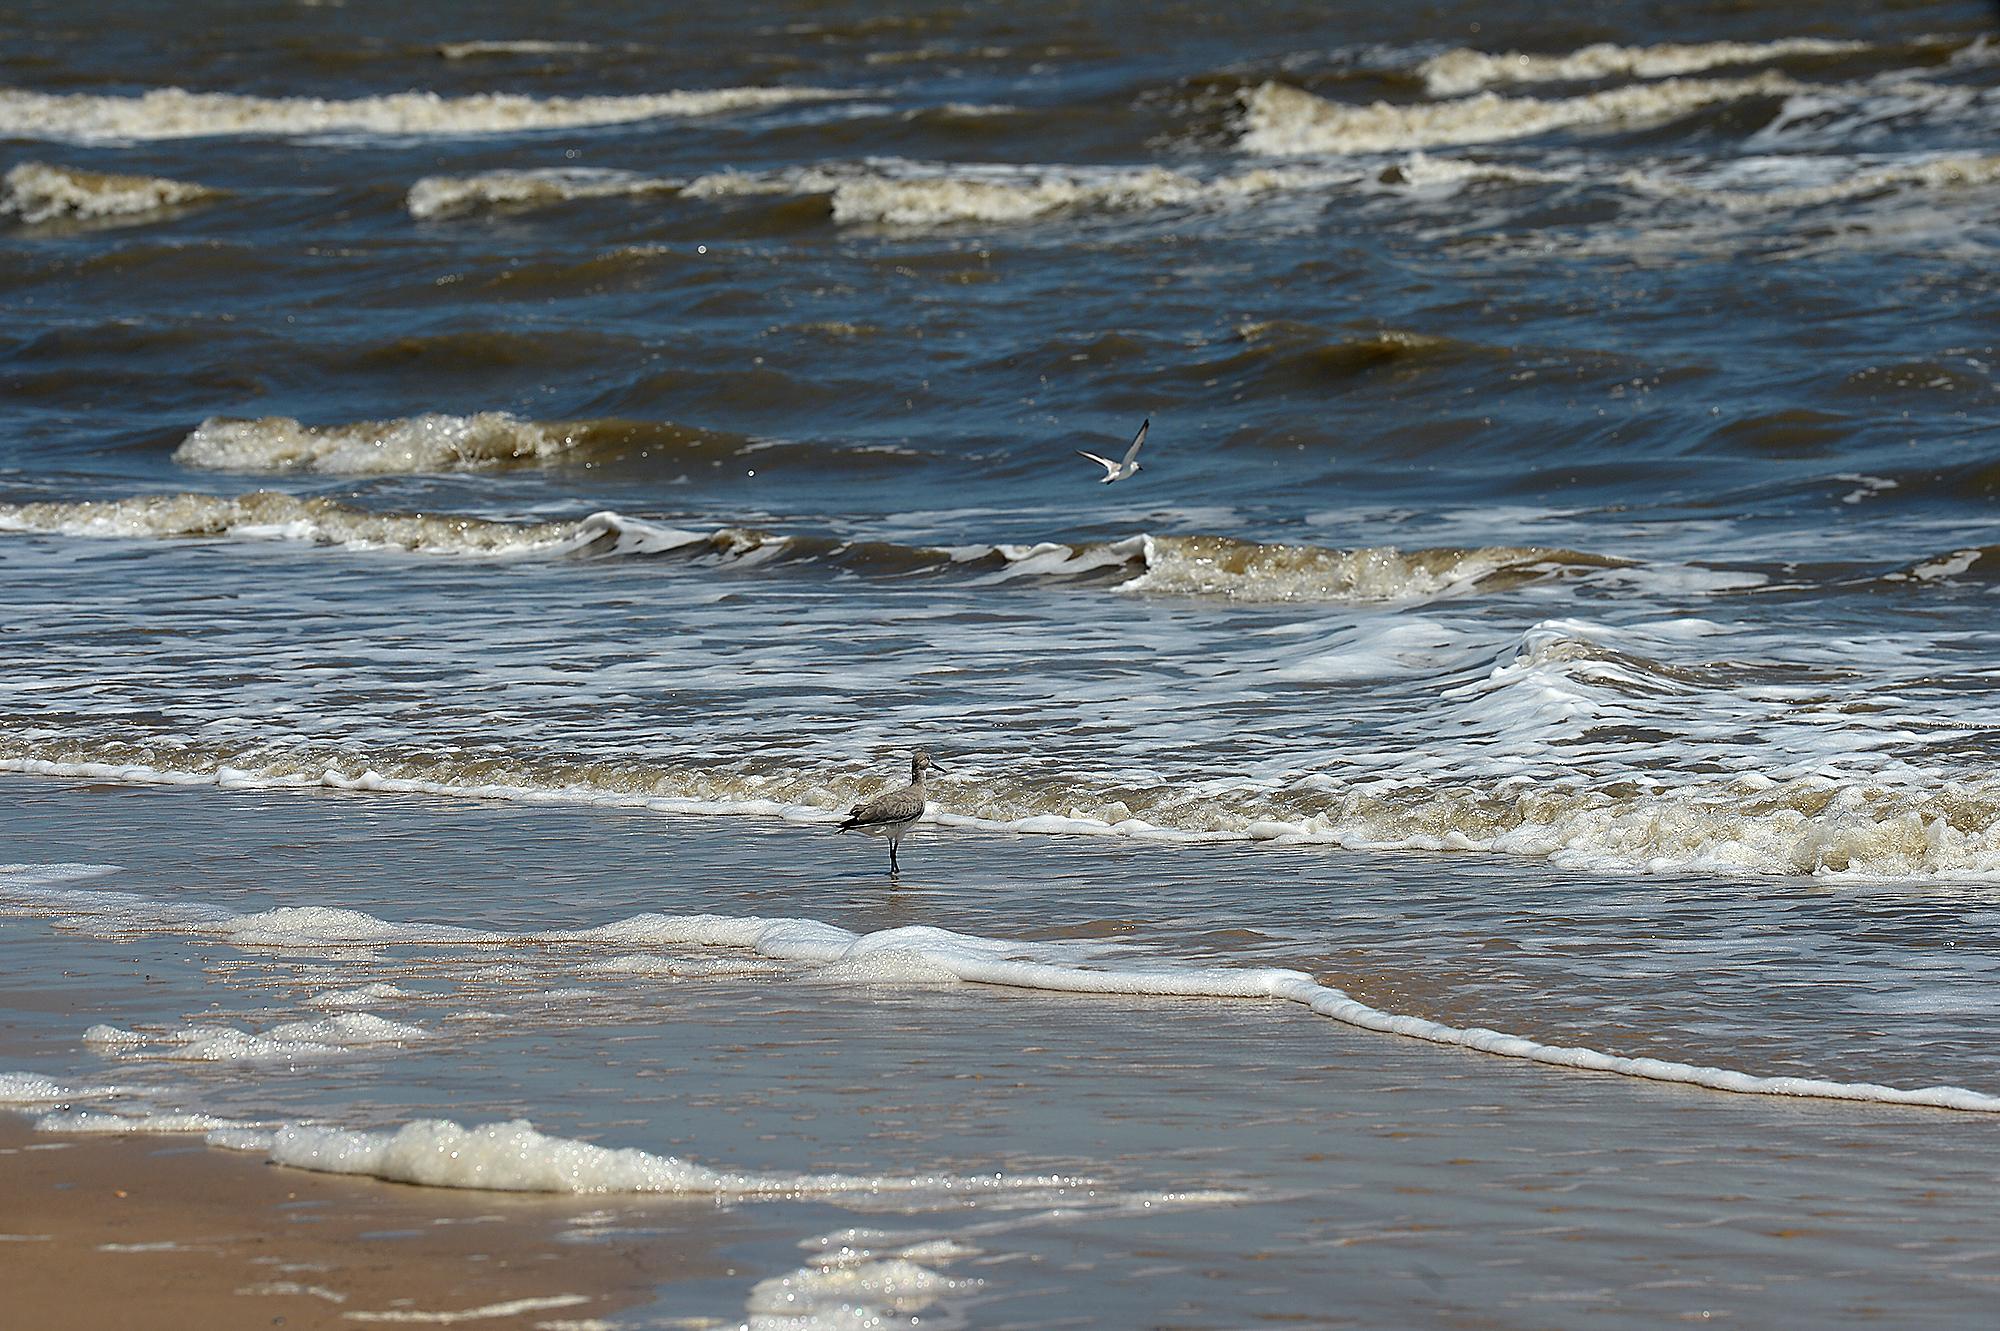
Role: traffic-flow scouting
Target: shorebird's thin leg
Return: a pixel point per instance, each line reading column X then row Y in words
column 892, row 854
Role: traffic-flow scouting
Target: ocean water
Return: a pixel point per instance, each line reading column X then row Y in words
column 481, row 494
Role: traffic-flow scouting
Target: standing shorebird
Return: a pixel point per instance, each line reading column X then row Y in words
column 1118, row 471
column 895, row 813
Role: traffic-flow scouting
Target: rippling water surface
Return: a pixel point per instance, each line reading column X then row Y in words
column 1565, row 530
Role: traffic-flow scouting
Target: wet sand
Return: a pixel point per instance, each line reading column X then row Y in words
column 100, row 1232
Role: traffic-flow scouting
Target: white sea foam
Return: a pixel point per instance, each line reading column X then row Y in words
column 989, row 961
column 40, row 192
column 1280, row 120
column 408, row 446
column 326, row 1037
column 514, row 1157
column 1928, row 173
column 268, row 515
column 1857, row 828
column 916, row 196
column 840, row 1294
column 1252, row 571
column 172, row 113
column 451, row 196
column 92, row 1121
column 367, row 995
column 1456, row 72
column 29, row 1088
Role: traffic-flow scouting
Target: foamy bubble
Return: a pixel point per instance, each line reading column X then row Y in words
column 514, row 1157
column 1461, row 71
column 1279, row 120
column 29, row 1088
column 410, row 446
column 449, row 196
column 40, row 192
column 367, row 995
column 839, row 1294
column 171, row 113
column 326, row 1037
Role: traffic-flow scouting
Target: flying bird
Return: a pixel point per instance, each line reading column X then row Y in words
column 895, row 813
column 1118, row 471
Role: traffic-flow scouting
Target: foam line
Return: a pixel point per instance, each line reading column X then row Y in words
column 980, row 961
column 928, row 952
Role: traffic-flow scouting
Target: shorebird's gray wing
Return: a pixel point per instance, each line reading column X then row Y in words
column 1105, row 463
column 898, row 806
column 1132, row 453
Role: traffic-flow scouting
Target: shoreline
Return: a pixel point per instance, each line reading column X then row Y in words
column 202, row 1238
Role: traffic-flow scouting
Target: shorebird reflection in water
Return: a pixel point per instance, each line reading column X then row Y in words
column 895, row 813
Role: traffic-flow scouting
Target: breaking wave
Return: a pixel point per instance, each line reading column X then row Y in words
column 915, row 197
column 409, row 446
column 1858, row 828
column 1220, row 566
column 1457, row 72
column 1280, row 120
column 452, row 196
column 174, row 113
column 910, row 195
column 270, row 515
column 39, row 192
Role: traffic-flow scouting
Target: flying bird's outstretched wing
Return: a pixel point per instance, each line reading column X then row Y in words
column 1132, row 453
column 1105, row 463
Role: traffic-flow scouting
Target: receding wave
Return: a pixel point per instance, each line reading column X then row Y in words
column 1454, row 73
column 1220, row 566
column 1281, row 120
column 40, row 192
column 514, row 1157
column 174, row 113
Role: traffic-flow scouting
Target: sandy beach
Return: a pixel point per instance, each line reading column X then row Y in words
column 181, row 1237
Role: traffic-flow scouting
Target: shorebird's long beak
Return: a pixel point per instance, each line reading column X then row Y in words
column 936, row 766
